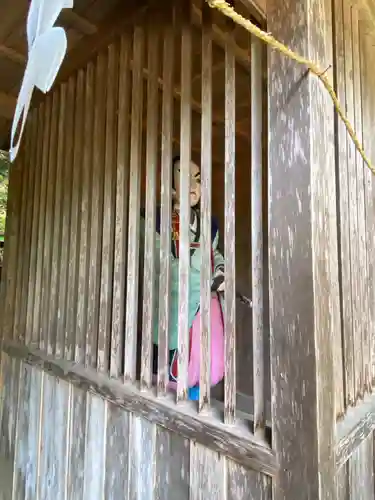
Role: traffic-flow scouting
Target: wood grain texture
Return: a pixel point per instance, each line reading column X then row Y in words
column 354, row 428
column 105, row 309
column 62, row 310
column 75, row 219
column 148, row 319
column 77, row 443
column 229, row 237
column 243, row 482
column 122, row 201
column 257, row 230
column 172, row 467
column 342, row 483
column 353, row 208
column 141, row 459
column 31, row 165
column 9, row 279
column 367, row 82
column 208, row 430
column 43, row 243
column 54, row 439
column 96, row 226
column 49, row 223
column 95, row 448
column 34, row 234
column 343, row 340
column 209, row 479
column 117, row 453
column 17, row 334
column 361, row 474
column 28, row 442
column 85, row 217
column 166, row 204
column 10, row 376
column 184, row 244
column 304, row 301
column 206, row 211
column 57, row 218
column 134, row 207
column 362, row 276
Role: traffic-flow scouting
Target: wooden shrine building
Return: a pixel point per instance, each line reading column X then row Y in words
column 81, row 415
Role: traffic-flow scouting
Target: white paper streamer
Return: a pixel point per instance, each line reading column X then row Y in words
column 47, row 46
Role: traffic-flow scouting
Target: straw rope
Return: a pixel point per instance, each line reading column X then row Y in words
column 267, row 38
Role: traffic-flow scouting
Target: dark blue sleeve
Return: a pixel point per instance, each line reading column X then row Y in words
column 214, row 229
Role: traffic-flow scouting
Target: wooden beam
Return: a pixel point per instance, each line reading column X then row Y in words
column 7, row 105
column 303, row 267
column 219, row 37
column 12, row 55
column 207, row 430
column 354, row 428
column 71, row 18
column 114, row 24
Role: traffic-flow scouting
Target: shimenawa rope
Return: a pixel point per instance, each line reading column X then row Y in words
column 267, row 38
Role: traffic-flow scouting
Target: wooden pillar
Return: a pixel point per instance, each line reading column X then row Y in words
column 304, row 295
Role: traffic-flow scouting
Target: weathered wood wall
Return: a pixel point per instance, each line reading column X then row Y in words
column 64, row 443
column 71, row 280
column 354, row 341
column 96, row 150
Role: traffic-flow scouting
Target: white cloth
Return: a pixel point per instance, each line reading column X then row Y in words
column 47, row 46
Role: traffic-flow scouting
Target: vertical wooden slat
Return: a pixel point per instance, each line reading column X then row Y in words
column 242, row 482
column 105, row 311
column 96, row 210
column 166, row 203
column 8, row 282
column 30, row 335
column 150, row 223
column 29, row 429
column 76, row 449
column 122, row 195
column 342, row 483
column 134, row 207
column 49, row 227
column 29, row 222
column 141, row 459
column 57, row 224
column 257, row 233
column 172, row 466
column 229, row 237
column 10, row 373
column 56, row 408
column 86, row 186
column 117, row 453
column 95, row 448
column 343, row 344
column 21, row 233
column 361, row 475
column 208, row 474
column 184, row 244
column 362, row 276
column 353, row 209
column 368, row 121
column 39, row 289
column 75, row 218
column 206, row 207
column 67, row 152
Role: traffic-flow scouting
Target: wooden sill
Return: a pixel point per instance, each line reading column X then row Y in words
column 354, row 428
column 234, row 441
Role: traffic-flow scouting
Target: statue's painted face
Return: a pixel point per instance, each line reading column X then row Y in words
column 195, row 183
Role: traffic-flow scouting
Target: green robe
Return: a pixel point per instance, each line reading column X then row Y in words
column 195, row 283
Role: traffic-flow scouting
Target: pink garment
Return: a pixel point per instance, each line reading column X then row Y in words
column 217, row 347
